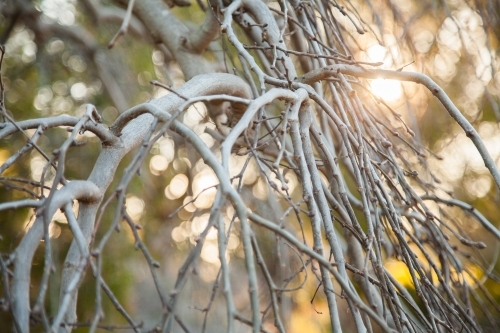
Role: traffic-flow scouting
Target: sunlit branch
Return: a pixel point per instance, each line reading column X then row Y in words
column 324, row 263
column 435, row 89
column 469, row 209
column 240, row 208
column 217, row 221
column 315, row 213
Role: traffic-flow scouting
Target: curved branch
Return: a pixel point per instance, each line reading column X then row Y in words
column 84, row 191
column 468, row 208
column 99, row 130
column 434, row 88
column 201, row 38
column 267, row 98
column 132, row 132
column 152, row 109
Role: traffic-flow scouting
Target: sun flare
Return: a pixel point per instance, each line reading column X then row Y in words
column 388, row 90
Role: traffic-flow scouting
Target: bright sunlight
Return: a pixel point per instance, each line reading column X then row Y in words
column 388, row 90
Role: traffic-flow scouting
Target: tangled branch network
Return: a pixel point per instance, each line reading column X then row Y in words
column 346, row 186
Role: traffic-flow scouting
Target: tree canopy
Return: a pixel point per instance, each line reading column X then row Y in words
column 250, row 165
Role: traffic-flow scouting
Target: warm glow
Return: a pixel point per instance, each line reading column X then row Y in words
column 135, row 207
column 178, row 234
column 210, row 253
column 199, row 224
column 201, row 182
column 399, row 271
column 178, row 186
column 388, row 90
column 158, row 164
column 259, row 190
column 37, row 164
column 233, row 242
column 376, row 53
column 54, row 230
column 189, row 206
column 167, row 148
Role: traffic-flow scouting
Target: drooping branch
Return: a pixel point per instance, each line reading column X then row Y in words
column 135, row 126
column 435, row 89
column 85, row 192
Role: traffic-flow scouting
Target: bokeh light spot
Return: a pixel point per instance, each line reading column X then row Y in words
column 78, row 90
column 158, row 164
column 177, row 187
column 135, row 207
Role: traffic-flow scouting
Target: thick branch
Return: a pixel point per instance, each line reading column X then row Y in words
column 138, row 122
column 164, row 27
column 84, row 191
